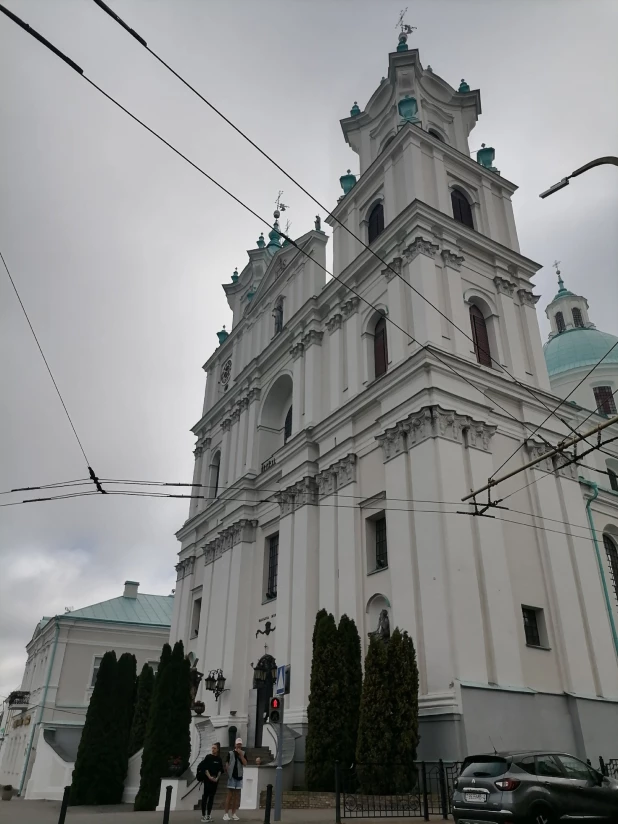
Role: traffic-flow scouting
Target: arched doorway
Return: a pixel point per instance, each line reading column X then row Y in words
column 264, row 677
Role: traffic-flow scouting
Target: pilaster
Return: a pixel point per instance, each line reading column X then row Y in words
column 397, row 338
column 224, row 469
column 298, row 392
column 456, row 309
column 421, row 273
column 312, row 343
column 527, row 303
column 513, row 351
column 253, row 397
column 351, row 316
column 335, row 360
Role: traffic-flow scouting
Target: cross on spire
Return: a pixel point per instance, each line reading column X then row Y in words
column 556, row 264
column 405, row 28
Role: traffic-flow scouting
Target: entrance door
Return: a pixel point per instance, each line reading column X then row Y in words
column 264, row 694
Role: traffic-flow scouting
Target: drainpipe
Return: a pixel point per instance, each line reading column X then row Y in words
column 41, row 709
column 608, row 603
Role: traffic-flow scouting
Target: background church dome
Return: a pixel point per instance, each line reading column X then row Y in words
column 576, row 348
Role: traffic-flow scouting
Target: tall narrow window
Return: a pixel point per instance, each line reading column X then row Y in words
column 560, row 324
column 381, row 546
column 462, row 211
column 287, row 426
column 215, row 468
column 604, row 399
column 380, row 348
column 95, row 671
column 480, row 336
column 376, row 222
column 273, row 566
column 612, row 560
column 531, row 626
column 613, row 479
column 195, row 618
column 577, row 318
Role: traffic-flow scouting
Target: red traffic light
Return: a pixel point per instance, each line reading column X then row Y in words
column 275, row 703
column 276, row 710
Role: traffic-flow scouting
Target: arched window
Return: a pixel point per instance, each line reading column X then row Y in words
column 577, row 318
column 215, row 468
column 380, row 348
column 376, row 222
column 613, row 479
column 480, row 336
column 560, row 325
column 287, row 426
column 435, row 134
column 612, row 561
column 604, row 398
column 462, row 211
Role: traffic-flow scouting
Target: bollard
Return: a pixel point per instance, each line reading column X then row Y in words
column 269, row 801
column 168, row 804
column 65, row 804
column 425, row 795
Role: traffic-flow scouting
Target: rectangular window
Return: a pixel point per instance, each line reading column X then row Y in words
column 377, row 544
column 613, row 479
column 531, row 626
column 95, row 670
column 612, row 559
column 195, row 617
column 604, row 399
column 381, row 548
column 273, row 566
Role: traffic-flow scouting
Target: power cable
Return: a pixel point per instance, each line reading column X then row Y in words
column 143, row 43
column 58, row 485
column 428, row 348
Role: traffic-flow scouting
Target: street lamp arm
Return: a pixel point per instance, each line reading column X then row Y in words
column 600, row 161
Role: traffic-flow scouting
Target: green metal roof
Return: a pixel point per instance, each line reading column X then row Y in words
column 145, row 609
column 578, row 347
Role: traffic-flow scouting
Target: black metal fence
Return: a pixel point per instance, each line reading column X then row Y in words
column 415, row 790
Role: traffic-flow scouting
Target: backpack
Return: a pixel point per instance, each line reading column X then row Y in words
column 201, row 771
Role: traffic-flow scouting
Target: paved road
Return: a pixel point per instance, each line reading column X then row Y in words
column 18, row 811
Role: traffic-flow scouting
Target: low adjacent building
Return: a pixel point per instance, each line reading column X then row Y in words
column 46, row 715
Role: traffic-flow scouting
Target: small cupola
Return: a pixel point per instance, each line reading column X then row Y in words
column 567, row 311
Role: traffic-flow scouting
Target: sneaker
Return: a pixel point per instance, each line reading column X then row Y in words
column 226, row 817
column 235, row 817
column 204, row 819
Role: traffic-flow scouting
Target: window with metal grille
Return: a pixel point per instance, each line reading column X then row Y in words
column 612, row 560
column 273, row 566
column 604, row 399
column 613, row 479
column 531, row 626
column 560, row 324
column 287, row 426
column 380, row 348
column 462, row 211
column 577, row 318
column 381, row 546
column 95, row 671
column 375, row 222
column 480, row 336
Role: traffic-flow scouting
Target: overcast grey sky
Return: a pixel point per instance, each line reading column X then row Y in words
column 119, row 248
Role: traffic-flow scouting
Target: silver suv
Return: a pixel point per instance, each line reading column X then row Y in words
column 532, row 787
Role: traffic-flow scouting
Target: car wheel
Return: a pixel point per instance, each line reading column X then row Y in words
column 542, row 814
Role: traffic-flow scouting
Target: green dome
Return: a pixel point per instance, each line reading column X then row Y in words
column 578, row 347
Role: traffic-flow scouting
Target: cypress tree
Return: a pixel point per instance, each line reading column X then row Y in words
column 125, row 703
column 351, row 688
column 321, row 614
column 155, row 756
column 145, row 687
column 94, row 772
column 402, row 675
column 179, row 742
column 374, row 750
column 324, row 728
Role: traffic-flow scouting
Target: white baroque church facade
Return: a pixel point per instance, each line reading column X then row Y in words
column 343, row 421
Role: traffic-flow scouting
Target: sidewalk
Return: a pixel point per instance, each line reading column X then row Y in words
column 18, row 811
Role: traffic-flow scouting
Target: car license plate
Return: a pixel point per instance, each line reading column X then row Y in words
column 475, row 797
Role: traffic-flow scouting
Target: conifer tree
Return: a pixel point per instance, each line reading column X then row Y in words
column 324, row 727
column 156, row 756
column 123, row 717
column 180, row 717
column 321, row 614
column 94, row 775
column 145, row 687
column 402, row 675
column 351, row 688
column 374, row 750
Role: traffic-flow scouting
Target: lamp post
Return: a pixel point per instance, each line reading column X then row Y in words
column 600, row 161
column 215, row 682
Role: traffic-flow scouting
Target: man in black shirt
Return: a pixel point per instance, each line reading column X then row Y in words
column 208, row 771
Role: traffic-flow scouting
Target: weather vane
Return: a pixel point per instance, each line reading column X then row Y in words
column 405, row 28
column 279, row 205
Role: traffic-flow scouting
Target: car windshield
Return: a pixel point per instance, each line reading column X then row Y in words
column 484, row 767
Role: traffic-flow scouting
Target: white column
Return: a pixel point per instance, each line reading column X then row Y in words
column 253, row 396
column 285, row 572
column 444, row 197
column 390, row 192
column 305, row 600
column 350, row 578
column 489, row 211
column 455, row 309
column 233, row 446
column 414, row 185
column 397, row 340
column 312, row 342
column 510, row 222
column 353, row 346
column 197, row 474
column 328, row 564
column 241, row 449
column 512, row 343
column 335, row 368
column 226, row 425
column 205, row 475
column 298, row 390
column 531, row 327
column 421, row 273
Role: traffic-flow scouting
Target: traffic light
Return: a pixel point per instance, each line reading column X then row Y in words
column 276, row 709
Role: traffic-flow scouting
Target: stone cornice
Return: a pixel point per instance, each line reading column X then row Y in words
column 527, row 298
column 334, row 323
column 312, row 336
column 559, row 463
column 296, row 350
column 451, row 259
column 241, row 531
column 504, row 286
column 434, row 422
column 337, row 475
column 299, row 494
column 185, row 567
column 350, row 306
column 393, row 269
column 420, row 246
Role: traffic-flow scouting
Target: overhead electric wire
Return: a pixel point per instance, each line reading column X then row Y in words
column 58, row 485
column 425, row 347
column 344, row 225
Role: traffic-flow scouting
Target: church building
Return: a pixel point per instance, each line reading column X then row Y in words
column 345, row 418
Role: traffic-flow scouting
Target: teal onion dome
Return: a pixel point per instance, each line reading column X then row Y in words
column 348, row 182
column 261, row 242
column 274, row 241
column 355, row 110
column 563, row 292
column 235, row 275
column 222, row 335
column 579, row 347
column 463, row 86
